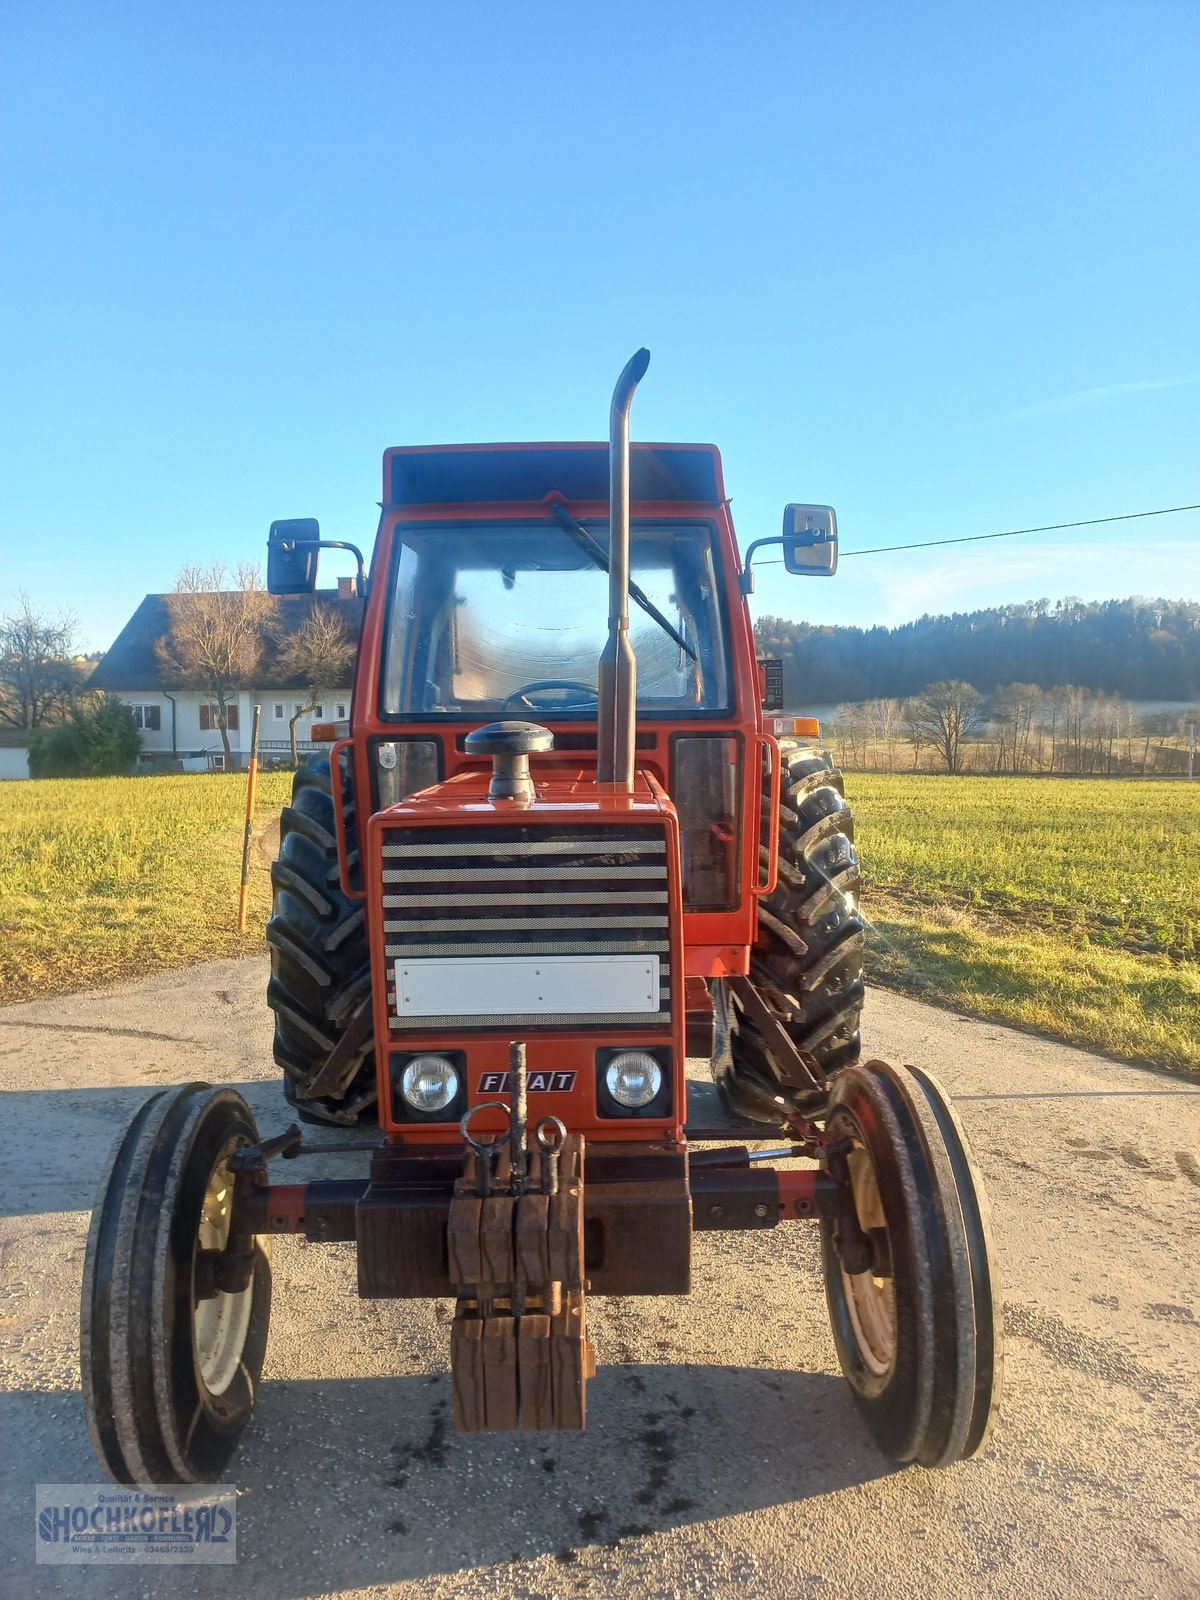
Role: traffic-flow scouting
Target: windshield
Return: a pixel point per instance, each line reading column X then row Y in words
column 510, row 618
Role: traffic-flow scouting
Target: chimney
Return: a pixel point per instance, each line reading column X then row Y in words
column 347, row 588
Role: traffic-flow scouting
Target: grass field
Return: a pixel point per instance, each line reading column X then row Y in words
column 1070, row 906
column 109, row 878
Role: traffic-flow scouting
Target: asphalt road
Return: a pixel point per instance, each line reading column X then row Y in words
column 724, row 1454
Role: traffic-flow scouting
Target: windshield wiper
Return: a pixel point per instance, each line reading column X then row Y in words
column 592, row 547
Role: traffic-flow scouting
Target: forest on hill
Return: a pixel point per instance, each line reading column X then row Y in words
column 1138, row 648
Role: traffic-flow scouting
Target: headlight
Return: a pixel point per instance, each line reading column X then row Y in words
column 633, row 1078
column 429, row 1083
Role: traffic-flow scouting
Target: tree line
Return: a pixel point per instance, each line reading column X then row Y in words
column 1138, row 648
column 1018, row 728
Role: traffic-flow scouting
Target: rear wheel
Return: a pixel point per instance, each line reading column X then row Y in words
column 173, row 1329
column 910, row 1282
column 320, row 964
column 809, row 951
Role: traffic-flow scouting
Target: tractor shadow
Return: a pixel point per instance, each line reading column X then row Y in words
column 359, row 1482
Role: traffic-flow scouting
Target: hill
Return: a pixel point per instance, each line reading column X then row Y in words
column 1139, row 648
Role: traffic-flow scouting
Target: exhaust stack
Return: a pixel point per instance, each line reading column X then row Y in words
column 617, row 682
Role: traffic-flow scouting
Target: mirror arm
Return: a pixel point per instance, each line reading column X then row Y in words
column 341, row 544
column 746, row 582
column 336, row 544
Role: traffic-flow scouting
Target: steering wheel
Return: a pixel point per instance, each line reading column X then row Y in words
column 520, row 697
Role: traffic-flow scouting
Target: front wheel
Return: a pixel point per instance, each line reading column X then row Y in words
column 173, row 1330
column 909, row 1276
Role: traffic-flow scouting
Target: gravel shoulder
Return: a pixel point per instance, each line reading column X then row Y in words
column 724, row 1455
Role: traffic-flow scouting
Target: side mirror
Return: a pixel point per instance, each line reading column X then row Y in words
column 292, row 556
column 810, row 540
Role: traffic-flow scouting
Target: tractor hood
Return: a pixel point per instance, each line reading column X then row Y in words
column 570, row 791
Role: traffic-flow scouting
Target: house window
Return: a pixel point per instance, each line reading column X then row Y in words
column 147, row 717
column 210, row 718
column 279, row 711
column 299, row 710
column 318, row 712
column 341, row 711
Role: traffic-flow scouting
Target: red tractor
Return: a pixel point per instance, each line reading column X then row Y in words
column 548, row 860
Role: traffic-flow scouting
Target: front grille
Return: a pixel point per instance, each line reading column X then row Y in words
column 524, row 891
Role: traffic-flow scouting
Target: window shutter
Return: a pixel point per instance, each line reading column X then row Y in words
column 153, row 718
column 231, row 718
column 206, row 719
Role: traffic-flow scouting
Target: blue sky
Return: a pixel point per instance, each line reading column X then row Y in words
column 935, row 264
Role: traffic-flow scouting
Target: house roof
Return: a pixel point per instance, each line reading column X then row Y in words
column 133, row 663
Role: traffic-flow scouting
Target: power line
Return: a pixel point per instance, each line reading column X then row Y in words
column 1009, row 533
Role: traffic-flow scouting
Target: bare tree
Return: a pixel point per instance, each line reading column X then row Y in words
column 1050, row 725
column 219, row 624
column 833, row 733
column 319, row 654
column 913, row 717
column 1014, row 710
column 883, row 719
column 848, row 723
column 1075, row 704
column 945, row 715
column 38, row 674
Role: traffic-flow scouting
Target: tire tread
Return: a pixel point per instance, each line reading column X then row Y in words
column 810, row 941
column 320, row 964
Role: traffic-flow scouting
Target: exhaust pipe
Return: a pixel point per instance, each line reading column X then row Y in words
column 617, row 682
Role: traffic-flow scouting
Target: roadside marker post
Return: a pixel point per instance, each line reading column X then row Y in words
column 251, row 791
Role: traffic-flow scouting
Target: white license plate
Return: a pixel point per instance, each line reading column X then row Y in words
column 497, row 986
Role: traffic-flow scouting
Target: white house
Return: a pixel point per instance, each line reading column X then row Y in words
column 179, row 724
column 14, row 753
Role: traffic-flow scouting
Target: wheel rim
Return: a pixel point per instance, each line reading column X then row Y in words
column 219, row 1324
column 870, row 1299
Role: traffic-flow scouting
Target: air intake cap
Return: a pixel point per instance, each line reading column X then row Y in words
column 510, row 745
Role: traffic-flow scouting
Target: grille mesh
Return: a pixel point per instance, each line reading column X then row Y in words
column 578, row 891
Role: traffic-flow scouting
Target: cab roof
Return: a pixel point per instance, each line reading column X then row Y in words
column 489, row 474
